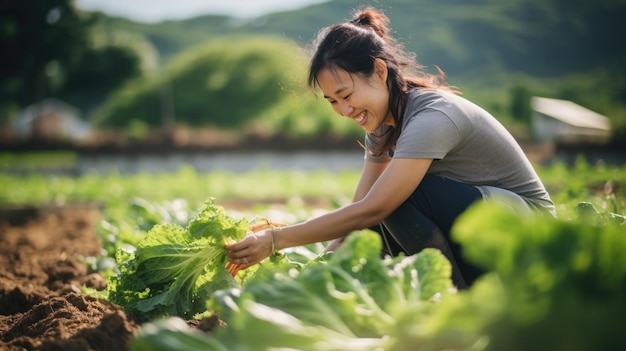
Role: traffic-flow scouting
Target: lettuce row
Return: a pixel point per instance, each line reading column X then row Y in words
column 350, row 299
column 550, row 285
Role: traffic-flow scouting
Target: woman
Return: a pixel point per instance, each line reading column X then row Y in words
column 429, row 155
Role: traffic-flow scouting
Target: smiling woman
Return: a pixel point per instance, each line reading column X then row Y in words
column 161, row 10
column 430, row 153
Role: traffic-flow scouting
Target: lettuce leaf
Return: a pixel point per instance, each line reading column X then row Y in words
column 168, row 334
column 173, row 269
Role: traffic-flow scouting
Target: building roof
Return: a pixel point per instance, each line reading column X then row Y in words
column 570, row 113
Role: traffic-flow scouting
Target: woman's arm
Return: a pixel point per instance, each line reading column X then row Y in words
column 390, row 190
column 370, row 173
column 396, row 183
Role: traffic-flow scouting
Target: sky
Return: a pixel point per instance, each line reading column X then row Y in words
column 159, row 10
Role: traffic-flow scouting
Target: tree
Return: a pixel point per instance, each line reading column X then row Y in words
column 52, row 50
column 39, row 38
column 216, row 84
column 99, row 71
column 520, row 103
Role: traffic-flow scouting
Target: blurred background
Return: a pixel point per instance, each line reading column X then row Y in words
column 102, row 77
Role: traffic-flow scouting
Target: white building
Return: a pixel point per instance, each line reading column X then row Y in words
column 566, row 122
column 51, row 119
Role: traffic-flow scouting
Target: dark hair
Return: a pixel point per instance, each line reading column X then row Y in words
column 354, row 45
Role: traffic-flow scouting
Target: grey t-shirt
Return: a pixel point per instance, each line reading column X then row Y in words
column 466, row 143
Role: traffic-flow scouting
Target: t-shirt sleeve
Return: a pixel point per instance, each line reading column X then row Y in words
column 427, row 134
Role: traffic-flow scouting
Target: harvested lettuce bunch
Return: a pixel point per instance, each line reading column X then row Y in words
column 175, row 269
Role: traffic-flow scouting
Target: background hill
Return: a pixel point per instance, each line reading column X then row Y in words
column 538, row 37
column 139, row 76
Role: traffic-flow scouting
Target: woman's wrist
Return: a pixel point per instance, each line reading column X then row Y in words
column 275, row 231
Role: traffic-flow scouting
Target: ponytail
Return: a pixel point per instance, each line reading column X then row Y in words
column 377, row 21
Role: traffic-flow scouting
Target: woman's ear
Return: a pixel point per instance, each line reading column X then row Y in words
column 380, row 70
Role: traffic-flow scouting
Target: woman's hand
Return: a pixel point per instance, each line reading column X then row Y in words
column 251, row 250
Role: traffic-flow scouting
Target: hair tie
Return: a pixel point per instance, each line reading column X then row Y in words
column 357, row 21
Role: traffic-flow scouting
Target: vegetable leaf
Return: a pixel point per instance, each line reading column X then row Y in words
column 174, row 270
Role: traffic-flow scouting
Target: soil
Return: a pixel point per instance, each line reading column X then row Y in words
column 41, row 274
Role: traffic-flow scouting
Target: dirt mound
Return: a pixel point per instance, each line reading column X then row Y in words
column 41, row 273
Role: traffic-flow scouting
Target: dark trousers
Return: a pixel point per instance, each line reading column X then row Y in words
column 424, row 221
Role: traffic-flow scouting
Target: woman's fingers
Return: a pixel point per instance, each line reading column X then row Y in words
column 249, row 251
column 244, row 249
column 245, row 243
column 241, row 259
column 241, row 256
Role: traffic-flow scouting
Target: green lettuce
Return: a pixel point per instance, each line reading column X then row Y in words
column 173, row 270
column 351, row 299
column 554, row 284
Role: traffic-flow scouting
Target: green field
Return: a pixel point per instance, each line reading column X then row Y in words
column 132, row 203
column 601, row 184
column 550, row 284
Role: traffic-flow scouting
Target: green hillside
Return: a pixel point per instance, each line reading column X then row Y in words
column 537, row 37
column 499, row 53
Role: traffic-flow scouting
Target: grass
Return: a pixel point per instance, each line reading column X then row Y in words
column 602, row 184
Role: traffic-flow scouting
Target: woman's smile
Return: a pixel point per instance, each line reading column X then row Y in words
column 361, row 119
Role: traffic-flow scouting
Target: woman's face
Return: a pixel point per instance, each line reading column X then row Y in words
column 363, row 99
